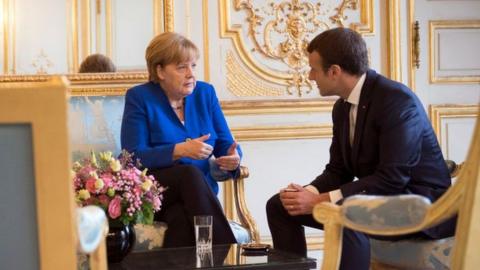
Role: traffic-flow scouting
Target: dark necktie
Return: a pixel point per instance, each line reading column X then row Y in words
column 346, row 113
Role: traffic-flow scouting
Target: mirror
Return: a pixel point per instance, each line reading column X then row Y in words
column 54, row 38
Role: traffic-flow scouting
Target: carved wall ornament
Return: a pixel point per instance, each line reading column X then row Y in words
column 272, row 36
column 41, row 63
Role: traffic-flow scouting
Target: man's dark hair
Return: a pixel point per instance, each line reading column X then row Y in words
column 97, row 63
column 343, row 47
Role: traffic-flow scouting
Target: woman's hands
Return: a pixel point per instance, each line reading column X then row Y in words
column 194, row 149
column 231, row 161
column 198, row 149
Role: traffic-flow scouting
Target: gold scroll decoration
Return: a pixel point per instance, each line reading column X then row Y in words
column 243, row 84
column 278, row 32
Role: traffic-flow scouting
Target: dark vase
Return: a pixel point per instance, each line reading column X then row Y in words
column 120, row 241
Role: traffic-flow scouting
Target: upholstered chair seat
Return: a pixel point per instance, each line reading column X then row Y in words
column 412, row 254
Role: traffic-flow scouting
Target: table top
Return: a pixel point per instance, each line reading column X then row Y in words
column 221, row 257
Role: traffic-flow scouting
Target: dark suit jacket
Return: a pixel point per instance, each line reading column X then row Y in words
column 394, row 151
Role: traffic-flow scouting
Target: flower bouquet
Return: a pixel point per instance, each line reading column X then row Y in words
column 127, row 194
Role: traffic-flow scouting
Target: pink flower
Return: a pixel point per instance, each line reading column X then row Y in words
column 90, row 185
column 122, row 188
column 103, row 199
column 115, row 208
column 156, row 203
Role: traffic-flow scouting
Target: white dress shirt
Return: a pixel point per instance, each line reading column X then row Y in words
column 353, row 99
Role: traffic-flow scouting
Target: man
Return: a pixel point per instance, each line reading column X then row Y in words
column 381, row 137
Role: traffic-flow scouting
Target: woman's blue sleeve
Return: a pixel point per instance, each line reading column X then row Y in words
column 135, row 134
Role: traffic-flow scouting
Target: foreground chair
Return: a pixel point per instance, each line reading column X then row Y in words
column 36, row 197
column 412, row 213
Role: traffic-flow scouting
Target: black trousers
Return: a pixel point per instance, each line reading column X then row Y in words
column 188, row 195
column 288, row 234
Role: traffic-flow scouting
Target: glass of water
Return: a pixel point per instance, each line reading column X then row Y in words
column 203, row 232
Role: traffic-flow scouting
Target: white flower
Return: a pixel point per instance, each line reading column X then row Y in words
column 93, row 159
column 147, row 185
column 115, row 165
column 106, row 156
column 83, row 194
column 99, row 184
column 94, row 174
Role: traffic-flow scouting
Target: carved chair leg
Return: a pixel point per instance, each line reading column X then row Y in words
column 333, row 246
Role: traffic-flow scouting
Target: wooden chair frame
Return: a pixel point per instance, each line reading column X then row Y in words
column 242, row 214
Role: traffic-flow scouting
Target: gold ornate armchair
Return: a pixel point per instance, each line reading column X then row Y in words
column 361, row 213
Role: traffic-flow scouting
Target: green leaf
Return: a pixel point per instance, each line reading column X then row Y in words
column 147, row 210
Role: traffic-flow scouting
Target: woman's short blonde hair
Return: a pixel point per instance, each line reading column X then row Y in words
column 168, row 48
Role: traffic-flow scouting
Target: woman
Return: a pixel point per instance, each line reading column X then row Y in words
column 174, row 124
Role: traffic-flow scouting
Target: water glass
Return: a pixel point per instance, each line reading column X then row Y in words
column 203, row 232
column 204, row 258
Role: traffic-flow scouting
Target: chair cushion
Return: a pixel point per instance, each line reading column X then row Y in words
column 413, row 253
column 241, row 234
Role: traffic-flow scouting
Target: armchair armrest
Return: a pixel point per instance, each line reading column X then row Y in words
column 92, row 228
column 235, row 205
column 384, row 213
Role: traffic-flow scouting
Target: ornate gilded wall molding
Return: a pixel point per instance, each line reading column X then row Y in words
column 168, row 15
column 24, row 78
column 434, row 27
column 89, row 84
column 410, row 34
column 439, row 112
column 255, row 107
column 278, row 31
column 295, row 132
column 394, row 71
column 80, row 21
column 107, row 91
column 242, row 83
column 7, row 25
column 206, row 45
column 128, row 78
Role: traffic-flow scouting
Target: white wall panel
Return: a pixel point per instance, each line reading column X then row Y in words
column 456, row 136
column 40, row 36
column 457, row 52
column 275, row 164
column 132, row 31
